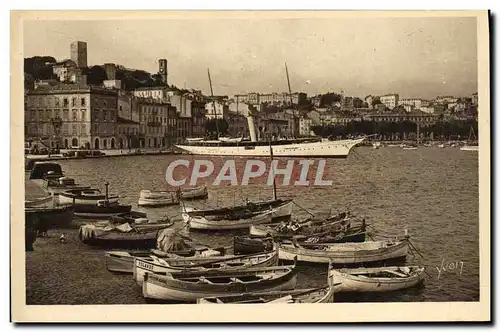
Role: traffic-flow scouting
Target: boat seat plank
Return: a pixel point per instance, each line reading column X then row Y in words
column 397, row 273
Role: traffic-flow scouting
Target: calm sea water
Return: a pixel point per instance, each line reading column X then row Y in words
column 431, row 192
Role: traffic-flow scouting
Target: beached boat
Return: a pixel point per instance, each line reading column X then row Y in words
column 281, row 209
column 188, row 286
column 160, row 265
column 308, row 295
column 39, row 169
column 227, row 222
column 243, row 245
column 101, row 210
column 56, row 184
column 123, row 233
column 123, row 261
column 46, row 218
column 85, row 197
column 40, row 201
column 345, row 253
column 378, row 279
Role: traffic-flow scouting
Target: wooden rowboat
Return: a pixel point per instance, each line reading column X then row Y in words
column 310, row 295
column 123, row 261
column 227, row 222
column 159, row 198
column 192, row 285
column 101, row 211
column 85, row 197
column 282, row 209
column 379, row 279
column 165, row 265
column 39, row 201
column 122, row 236
column 243, row 245
column 345, row 253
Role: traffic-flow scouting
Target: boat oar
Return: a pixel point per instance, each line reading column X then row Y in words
column 300, row 207
column 221, row 260
column 418, row 252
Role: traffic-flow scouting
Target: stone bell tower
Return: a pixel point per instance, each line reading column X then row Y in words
column 162, row 70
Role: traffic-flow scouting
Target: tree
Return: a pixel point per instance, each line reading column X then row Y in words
column 357, row 102
column 376, row 101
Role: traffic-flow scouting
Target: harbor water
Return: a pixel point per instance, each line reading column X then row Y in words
column 431, row 192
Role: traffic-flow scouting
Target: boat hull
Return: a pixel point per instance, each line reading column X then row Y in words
column 351, row 283
column 202, row 223
column 99, row 212
column 157, row 202
column 166, row 288
column 331, row 149
column 143, row 266
column 343, row 253
column 50, row 218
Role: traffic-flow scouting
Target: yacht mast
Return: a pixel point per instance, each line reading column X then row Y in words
column 213, row 103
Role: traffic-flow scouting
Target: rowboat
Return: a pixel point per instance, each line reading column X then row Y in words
column 40, row 201
column 45, row 218
column 101, row 209
column 123, row 235
column 159, row 265
column 243, row 245
column 123, row 261
column 227, row 222
column 85, row 197
column 345, row 253
column 157, row 198
column 55, row 184
column 379, row 279
column 192, row 193
column 282, row 209
column 310, row 295
column 188, row 286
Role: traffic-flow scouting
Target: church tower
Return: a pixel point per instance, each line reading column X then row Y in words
column 162, row 70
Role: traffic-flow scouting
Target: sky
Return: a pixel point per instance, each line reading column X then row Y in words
column 413, row 56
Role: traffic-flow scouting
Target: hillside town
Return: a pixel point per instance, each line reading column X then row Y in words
column 72, row 107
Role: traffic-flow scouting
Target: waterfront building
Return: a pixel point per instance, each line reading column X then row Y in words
column 414, row 103
column 305, row 125
column 216, row 110
column 157, row 123
column 390, row 100
column 72, row 115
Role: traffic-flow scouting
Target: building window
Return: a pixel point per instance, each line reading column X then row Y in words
column 40, row 115
column 75, row 130
column 66, row 115
column 48, row 114
column 104, row 104
column 57, row 113
column 120, row 107
column 73, row 101
column 65, row 102
column 75, row 115
column 83, row 130
column 65, row 128
column 96, row 128
column 84, row 118
column 104, row 115
column 82, row 102
column 57, row 101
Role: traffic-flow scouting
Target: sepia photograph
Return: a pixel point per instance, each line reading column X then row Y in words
column 287, row 165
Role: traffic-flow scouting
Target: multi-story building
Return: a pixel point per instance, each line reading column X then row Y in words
column 66, row 71
column 72, row 115
column 416, row 116
column 79, row 53
column 305, row 125
column 157, row 123
column 347, row 103
column 272, row 98
column 446, row 99
column 216, row 110
column 390, row 100
column 413, row 103
column 156, row 92
column 199, row 119
column 183, row 104
column 316, row 101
